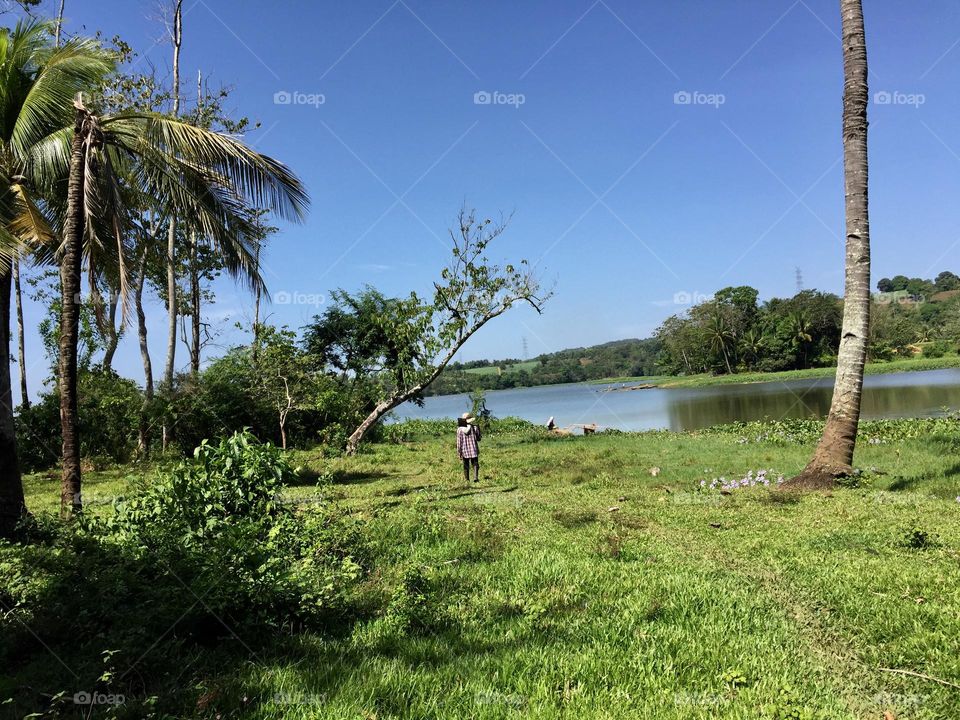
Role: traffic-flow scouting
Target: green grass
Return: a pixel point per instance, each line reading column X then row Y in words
column 705, row 379
column 573, row 583
column 507, row 369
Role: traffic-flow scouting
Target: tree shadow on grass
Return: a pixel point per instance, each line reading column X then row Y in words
column 481, row 491
column 356, row 477
column 904, row 483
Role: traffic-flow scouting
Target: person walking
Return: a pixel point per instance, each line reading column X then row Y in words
column 468, row 446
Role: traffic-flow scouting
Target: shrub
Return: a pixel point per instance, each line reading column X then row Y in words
column 207, row 554
column 936, row 349
column 109, row 411
column 221, row 516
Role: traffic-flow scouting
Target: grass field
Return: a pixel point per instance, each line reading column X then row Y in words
column 494, row 369
column 591, row 577
column 705, row 379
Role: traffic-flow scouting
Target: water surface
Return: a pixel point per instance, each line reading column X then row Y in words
column 909, row 394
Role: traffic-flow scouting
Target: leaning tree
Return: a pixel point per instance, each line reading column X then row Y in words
column 415, row 338
column 833, row 457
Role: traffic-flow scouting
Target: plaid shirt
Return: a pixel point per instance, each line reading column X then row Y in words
column 468, row 440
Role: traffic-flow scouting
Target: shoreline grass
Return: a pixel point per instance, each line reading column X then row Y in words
column 707, row 380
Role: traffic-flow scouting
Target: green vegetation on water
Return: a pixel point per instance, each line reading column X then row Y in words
column 586, row 577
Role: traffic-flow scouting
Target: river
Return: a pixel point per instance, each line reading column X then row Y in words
column 907, row 394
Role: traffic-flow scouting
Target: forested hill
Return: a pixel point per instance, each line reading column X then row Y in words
column 620, row 358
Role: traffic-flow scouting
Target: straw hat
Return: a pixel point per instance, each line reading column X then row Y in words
column 470, row 419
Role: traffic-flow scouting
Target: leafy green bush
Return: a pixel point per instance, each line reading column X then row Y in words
column 209, row 553
column 229, row 395
column 221, row 516
column 936, row 349
column 109, row 410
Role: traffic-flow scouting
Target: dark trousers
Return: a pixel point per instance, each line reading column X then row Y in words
column 467, row 462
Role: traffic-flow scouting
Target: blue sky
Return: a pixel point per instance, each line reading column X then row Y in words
column 651, row 151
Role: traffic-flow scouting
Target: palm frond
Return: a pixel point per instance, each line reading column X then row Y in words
column 28, row 223
column 77, row 66
column 260, row 180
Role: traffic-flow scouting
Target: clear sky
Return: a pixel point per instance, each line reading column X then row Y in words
column 651, row 150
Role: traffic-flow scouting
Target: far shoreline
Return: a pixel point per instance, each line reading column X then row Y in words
column 750, row 378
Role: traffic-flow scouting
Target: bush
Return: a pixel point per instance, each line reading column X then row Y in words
column 221, row 516
column 228, row 396
column 109, row 411
column 936, row 349
column 207, row 555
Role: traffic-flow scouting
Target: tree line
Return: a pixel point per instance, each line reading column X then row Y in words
column 620, row 358
column 731, row 332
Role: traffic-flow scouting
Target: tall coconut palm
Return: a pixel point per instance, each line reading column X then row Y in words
column 37, row 82
column 209, row 177
column 833, row 456
column 801, row 335
column 721, row 338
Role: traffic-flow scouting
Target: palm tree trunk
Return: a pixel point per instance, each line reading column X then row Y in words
column 12, row 505
column 833, row 457
column 70, row 268
column 176, row 38
column 21, row 350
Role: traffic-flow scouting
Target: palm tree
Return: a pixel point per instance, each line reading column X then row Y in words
column 37, row 81
column 209, row 177
column 752, row 346
column 721, row 337
column 801, row 334
column 833, row 456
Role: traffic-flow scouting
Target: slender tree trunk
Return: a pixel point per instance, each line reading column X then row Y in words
column 256, row 304
column 12, row 505
column 143, row 443
column 21, row 349
column 176, row 38
column 70, row 268
column 113, row 334
column 194, row 269
column 194, row 307
column 833, row 457
column 56, row 37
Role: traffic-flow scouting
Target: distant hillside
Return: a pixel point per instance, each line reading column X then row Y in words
column 619, row 358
